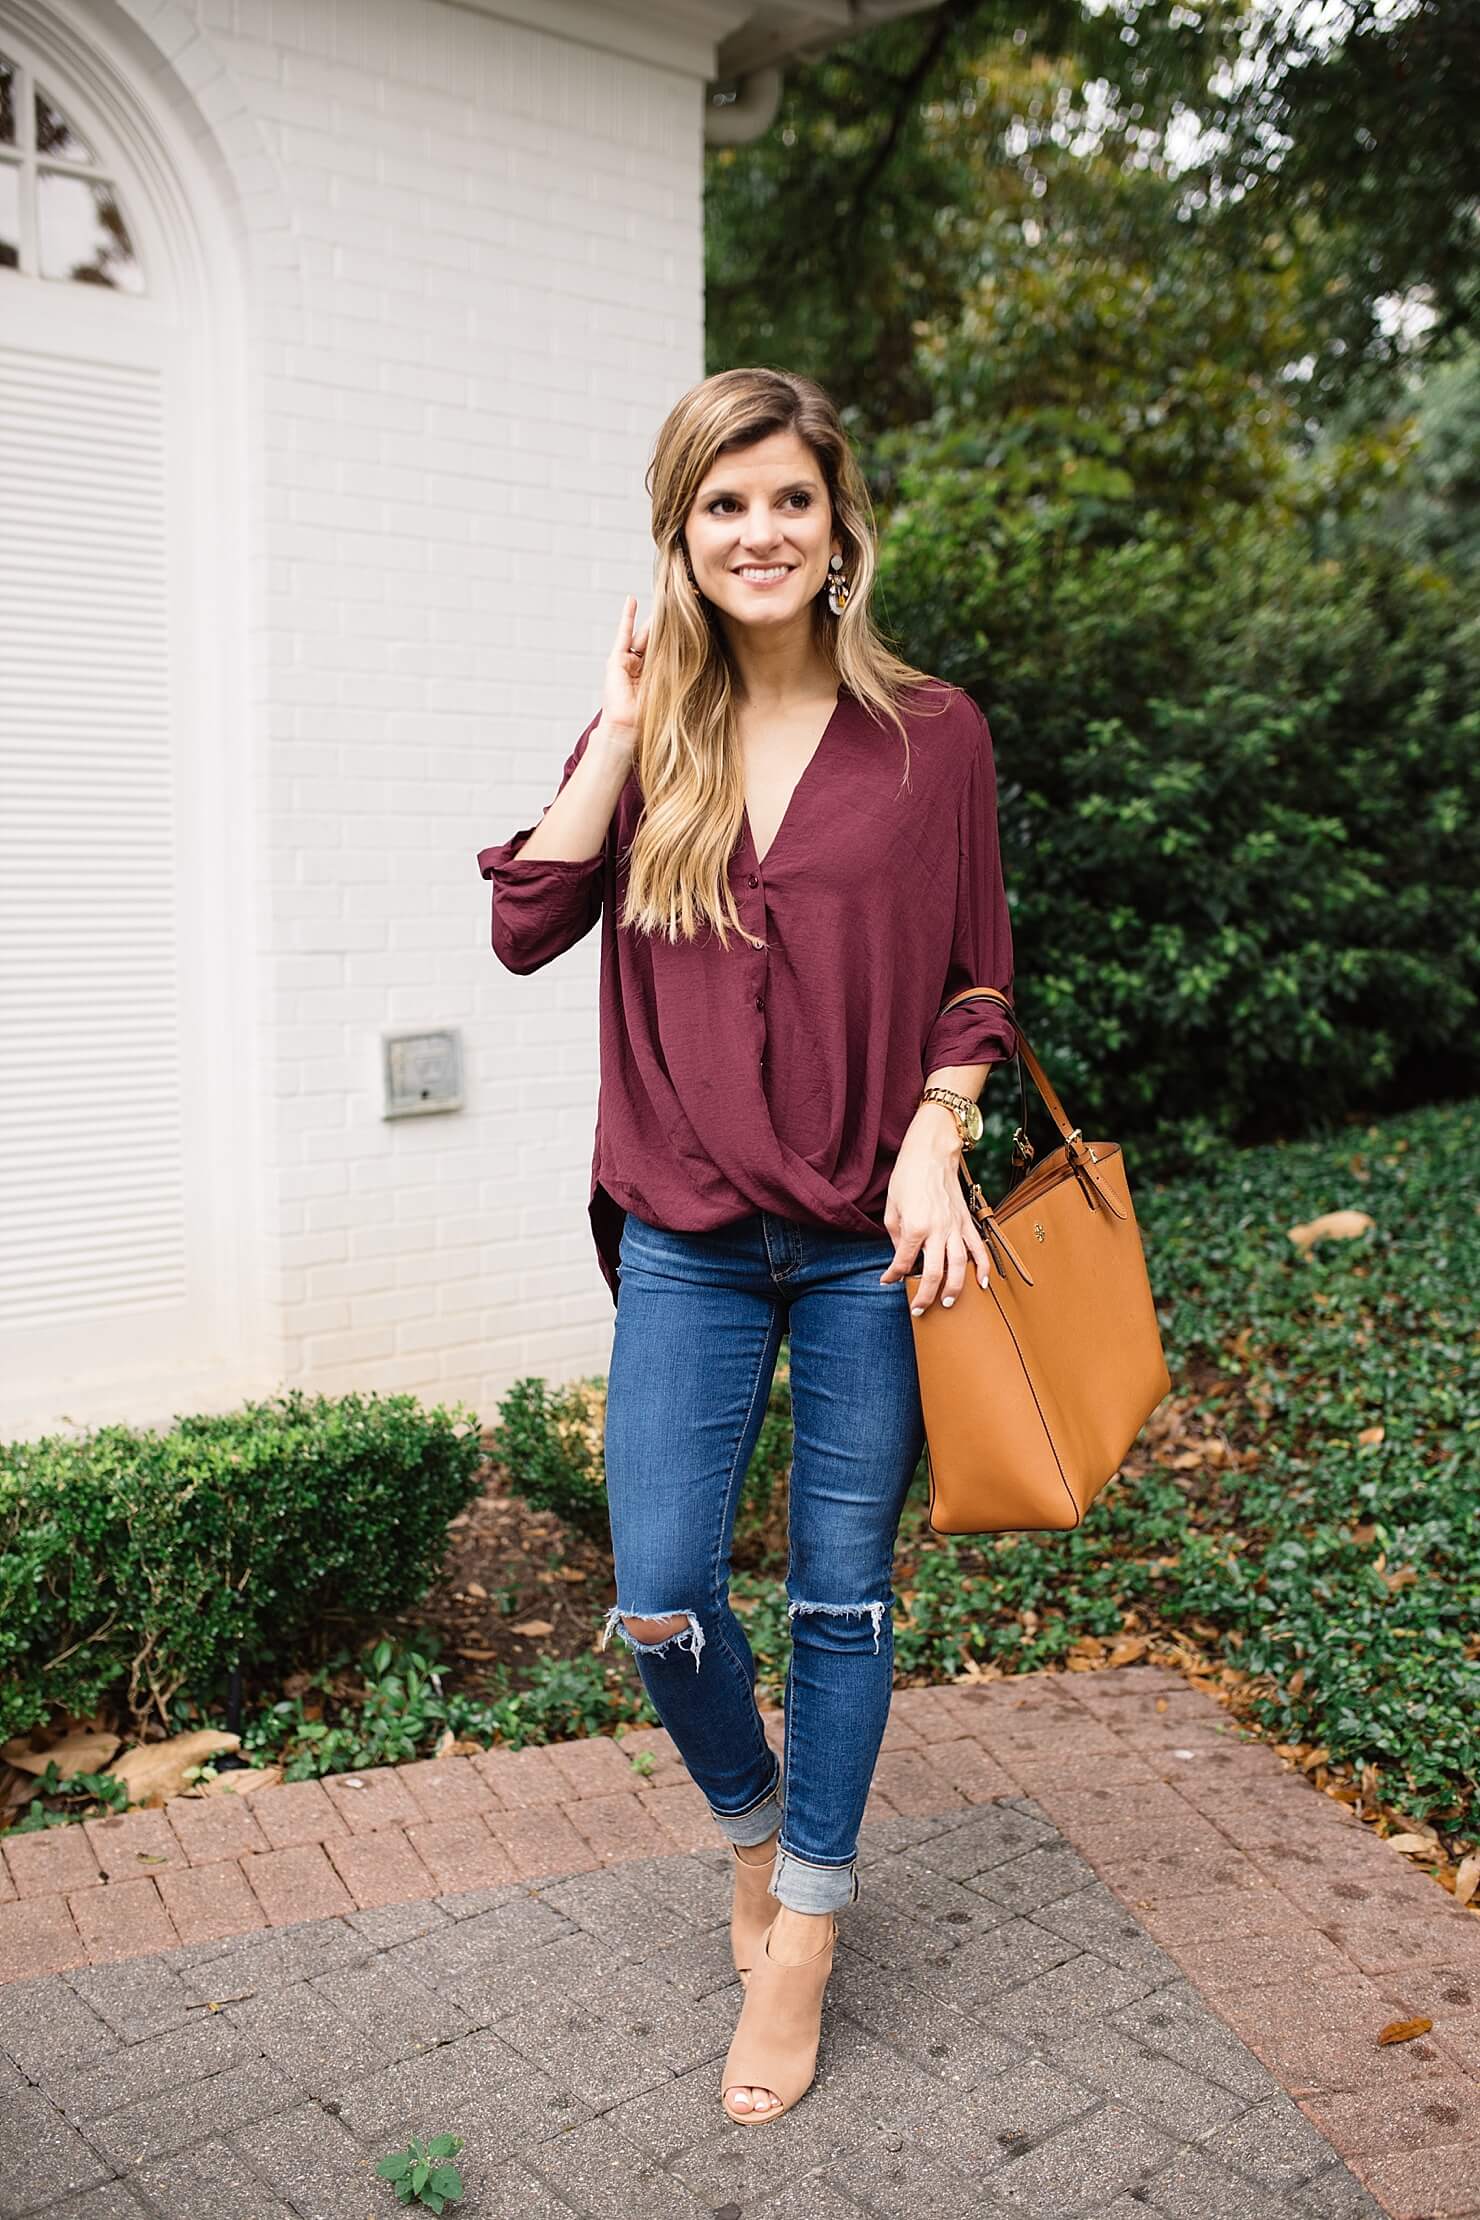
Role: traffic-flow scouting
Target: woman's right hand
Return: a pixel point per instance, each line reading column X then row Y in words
column 623, row 677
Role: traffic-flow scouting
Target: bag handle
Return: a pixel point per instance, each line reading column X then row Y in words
column 1022, row 1147
column 1023, row 1055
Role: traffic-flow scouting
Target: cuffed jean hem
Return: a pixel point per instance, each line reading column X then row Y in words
column 813, row 1888
column 757, row 1823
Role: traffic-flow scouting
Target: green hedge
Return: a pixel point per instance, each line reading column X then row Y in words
column 550, row 1442
column 1240, row 808
column 136, row 1563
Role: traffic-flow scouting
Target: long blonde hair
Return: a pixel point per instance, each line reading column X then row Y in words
column 686, row 756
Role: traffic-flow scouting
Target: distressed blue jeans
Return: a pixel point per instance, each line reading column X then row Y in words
column 700, row 1318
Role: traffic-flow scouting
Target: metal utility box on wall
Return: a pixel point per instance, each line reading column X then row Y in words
column 422, row 1072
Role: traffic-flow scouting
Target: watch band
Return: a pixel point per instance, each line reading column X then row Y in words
column 960, row 1106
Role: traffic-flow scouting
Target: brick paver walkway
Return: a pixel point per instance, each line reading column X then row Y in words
column 1111, row 1959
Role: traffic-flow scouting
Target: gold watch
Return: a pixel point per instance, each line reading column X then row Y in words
column 968, row 1114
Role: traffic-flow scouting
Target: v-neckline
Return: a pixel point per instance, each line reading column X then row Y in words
column 762, row 860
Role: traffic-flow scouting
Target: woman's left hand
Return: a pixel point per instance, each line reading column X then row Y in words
column 927, row 1209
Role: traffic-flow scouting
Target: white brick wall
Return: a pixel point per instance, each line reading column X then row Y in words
column 476, row 265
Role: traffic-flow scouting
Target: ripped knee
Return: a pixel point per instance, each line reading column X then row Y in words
column 874, row 1612
column 655, row 1633
column 651, row 1631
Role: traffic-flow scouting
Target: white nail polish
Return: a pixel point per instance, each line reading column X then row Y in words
column 946, row 1301
column 916, row 1309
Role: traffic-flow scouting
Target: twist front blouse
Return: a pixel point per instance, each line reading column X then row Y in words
column 784, row 1078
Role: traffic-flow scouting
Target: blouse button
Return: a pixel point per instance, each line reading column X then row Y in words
column 752, row 880
column 760, row 1001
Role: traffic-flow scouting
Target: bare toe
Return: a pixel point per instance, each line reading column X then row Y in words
column 744, row 2102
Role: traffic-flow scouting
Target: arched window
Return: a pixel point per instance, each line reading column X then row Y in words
column 60, row 214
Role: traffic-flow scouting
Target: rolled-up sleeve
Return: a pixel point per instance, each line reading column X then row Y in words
column 542, row 905
column 981, row 948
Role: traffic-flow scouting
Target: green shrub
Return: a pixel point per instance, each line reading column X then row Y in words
column 548, row 1441
column 760, row 1518
column 1239, row 792
column 135, row 1562
column 550, row 1444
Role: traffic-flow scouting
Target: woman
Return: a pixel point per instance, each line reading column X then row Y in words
column 788, row 898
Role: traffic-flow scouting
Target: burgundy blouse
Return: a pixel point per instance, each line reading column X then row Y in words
column 784, row 1078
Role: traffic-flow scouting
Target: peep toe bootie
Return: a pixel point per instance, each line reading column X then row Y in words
column 752, row 1910
column 775, row 2044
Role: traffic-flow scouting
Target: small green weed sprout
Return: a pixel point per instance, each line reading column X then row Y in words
column 78, row 1797
column 421, row 2174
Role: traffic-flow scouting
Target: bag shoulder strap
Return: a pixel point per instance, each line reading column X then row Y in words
column 1022, row 1052
column 1074, row 1140
column 1072, row 1137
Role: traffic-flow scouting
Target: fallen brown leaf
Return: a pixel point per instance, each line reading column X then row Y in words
column 84, row 1750
column 1403, row 2031
column 245, row 1780
column 1332, row 1225
column 1129, row 1647
column 535, row 1626
column 156, row 1771
column 17, row 1788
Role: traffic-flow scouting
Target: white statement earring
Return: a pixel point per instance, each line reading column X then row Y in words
column 838, row 588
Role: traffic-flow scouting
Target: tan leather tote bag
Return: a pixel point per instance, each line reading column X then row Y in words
column 1035, row 1386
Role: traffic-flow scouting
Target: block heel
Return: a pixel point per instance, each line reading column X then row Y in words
column 753, row 1908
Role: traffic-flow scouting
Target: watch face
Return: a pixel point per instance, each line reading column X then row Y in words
column 973, row 1125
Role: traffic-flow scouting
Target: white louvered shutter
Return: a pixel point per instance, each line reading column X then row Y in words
column 99, row 1274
